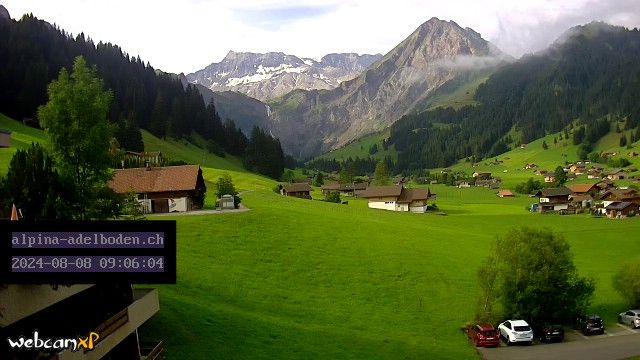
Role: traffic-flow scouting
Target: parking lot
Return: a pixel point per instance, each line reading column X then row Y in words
column 618, row 342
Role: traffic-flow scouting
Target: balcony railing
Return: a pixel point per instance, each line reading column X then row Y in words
column 151, row 351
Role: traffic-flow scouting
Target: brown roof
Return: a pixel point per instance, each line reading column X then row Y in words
column 382, row 191
column 581, row 188
column 296, row 187
column 331, row 186
column 155, row 179
column 409, row 195
column 505, row 193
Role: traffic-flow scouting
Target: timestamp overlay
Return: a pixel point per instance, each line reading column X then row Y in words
column 88, row 252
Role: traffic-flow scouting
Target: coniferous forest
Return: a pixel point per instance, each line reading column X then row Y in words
column 591, row 73
column 32, row 53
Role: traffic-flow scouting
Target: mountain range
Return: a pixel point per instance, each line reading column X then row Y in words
column 310, row 122
column 268, row 76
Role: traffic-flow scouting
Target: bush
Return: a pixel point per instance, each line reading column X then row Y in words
column 332, row 196
column 532, row 275
column 627, row 282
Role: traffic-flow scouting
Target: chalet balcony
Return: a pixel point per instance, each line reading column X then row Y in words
column 151, row 351
column 119, row 326
column 21, row 301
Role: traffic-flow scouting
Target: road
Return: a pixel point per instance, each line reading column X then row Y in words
column 618, row 343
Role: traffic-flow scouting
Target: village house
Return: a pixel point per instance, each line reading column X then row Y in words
column 530, row 166
column 351, row 189
column 553, row 199
column 462, row 184
column 549, row 178
column 577, row 169
column 398, row 198
column 616, row 174
column 299, row 190
column 594, row 174
column 505, row 193
column 5, row 138
column 582, row 195
column 619, row 195
column 162, row 189
column 482, row 175
column 621, row 209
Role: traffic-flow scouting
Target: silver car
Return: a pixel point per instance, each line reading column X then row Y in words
column 630, row 317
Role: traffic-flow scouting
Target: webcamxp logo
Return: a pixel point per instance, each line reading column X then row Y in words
column 58, row 344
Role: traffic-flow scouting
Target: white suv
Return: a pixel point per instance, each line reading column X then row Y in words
column 516, row 331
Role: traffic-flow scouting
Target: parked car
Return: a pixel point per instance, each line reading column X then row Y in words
column 515, row 331
column 590, row 324
column 549, row 332
column 630, row 317
column 484, row 335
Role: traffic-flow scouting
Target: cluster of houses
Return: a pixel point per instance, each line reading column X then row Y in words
column 580, row 168
column 600, row 198
column 393, row 197
column 480, row 179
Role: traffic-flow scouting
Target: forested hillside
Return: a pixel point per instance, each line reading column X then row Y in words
column 32, row 53
column 591, row 72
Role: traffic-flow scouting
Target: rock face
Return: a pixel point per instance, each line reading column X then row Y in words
column 4, row 13
column 311, row 122
column 268, row 76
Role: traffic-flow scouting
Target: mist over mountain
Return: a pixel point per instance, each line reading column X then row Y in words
column 268, row 76
column 311, row 122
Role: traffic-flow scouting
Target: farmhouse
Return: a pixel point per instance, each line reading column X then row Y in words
column 146, row 157
column 577, row 169
column 482, row 175
column 530, row 166
column 553, row 199
column 620, row 209
column 582, row 189
column 619, row 195
column 505, row 193
column 462, row 184
column 398, row 198
column 5, row 138
column 352, row 189
column 616, row 174
column 162, row 189
column 299, row 190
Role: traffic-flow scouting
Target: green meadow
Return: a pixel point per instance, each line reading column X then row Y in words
column 301, row 279
column 307, row 279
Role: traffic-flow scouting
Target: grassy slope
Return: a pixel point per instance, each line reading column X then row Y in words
column 21, row 138
column 515, row 160
column 297, row 279
column 360, row 148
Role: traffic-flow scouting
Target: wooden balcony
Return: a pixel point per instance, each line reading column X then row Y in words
column 151, row 351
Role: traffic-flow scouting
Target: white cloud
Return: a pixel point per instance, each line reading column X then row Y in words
column 183, row 36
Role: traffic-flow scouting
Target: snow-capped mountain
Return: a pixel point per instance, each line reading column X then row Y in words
column 270, row 75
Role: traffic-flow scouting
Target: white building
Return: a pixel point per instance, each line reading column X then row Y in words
column 398, row 198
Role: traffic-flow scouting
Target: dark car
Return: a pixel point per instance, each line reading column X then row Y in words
column 590, row 324
column 484, row 335
column 549, row 332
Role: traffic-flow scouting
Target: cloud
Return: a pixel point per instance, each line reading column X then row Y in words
column 468, row 62
column 274, row 18
column 187, row 35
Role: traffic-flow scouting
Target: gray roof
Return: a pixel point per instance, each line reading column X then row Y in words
column 621, row 205
column 559, row 191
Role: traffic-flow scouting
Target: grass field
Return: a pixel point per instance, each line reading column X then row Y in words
column 300, row 279
column 21, row 138
column 360, row 148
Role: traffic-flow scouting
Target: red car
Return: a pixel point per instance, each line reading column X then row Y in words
column 484, row 335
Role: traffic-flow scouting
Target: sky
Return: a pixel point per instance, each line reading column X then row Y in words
column 187, row 35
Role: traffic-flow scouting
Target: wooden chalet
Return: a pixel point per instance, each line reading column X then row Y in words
column 620, row 209
column 350, row 189
column 162, row 189
column 505, row 193
column 398, row 198
column 300, row 190
column 619, row 195
column 616, row 174
column 553, row 199
column 482, row 175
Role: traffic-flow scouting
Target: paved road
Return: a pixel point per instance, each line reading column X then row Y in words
column 622, row 343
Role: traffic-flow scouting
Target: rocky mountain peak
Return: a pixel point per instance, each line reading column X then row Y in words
column 4, row 13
